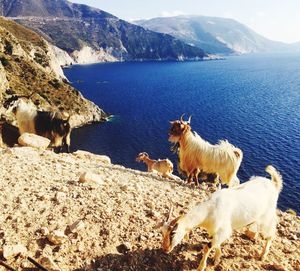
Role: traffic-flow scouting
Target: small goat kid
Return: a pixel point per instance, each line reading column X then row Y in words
column 253, row 202
column 164, row 167
column 196, row 154
column 42, row 123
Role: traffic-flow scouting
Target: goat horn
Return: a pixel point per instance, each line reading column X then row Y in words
column 189, row 120
column 170, row 213
column 181, row 118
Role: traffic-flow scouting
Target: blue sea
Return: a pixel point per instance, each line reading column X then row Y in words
column 252, row 101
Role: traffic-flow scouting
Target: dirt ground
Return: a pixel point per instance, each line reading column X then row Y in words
column 40, row 192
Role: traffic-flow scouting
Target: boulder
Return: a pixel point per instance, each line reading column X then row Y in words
column 87, row 155
column 92, row 178
column 11, row 251
column 32, row 140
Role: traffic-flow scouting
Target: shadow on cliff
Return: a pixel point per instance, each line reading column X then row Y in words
column 147, row 260
column 10, row 134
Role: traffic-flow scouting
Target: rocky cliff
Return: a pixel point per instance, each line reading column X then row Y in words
column 82, row 31
column 106, row 221
column 29, row 64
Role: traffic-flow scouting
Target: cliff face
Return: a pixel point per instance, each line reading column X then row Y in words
column 74, row 27
column 29, row 64
column 40, row 192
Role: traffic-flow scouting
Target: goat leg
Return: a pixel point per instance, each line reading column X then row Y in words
column 206, row 251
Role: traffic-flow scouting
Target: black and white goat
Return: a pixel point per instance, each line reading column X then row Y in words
column 44, row 123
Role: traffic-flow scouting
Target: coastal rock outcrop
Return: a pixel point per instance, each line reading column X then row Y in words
column 29, row 65
column 89, row 55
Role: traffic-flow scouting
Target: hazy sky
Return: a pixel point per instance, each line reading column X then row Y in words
column 274, row 19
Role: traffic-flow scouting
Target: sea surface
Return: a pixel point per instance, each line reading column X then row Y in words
column 252, row 101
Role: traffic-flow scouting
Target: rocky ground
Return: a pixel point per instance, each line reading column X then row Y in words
column 108, row 223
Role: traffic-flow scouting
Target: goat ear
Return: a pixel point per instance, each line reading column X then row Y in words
column 170, row 213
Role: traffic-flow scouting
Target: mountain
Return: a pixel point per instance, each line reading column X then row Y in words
column 294, row 46
column 90, row 35
column 29, row 65
column 187, row 30
column 213, row 34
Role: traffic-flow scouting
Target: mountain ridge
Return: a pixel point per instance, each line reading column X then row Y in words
column 236, row 36
column 73, row 27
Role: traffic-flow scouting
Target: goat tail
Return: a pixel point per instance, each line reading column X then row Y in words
column 276, row 177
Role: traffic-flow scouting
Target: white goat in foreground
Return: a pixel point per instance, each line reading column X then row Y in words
column 253, row 202
column 163, row 167
column 196, row 154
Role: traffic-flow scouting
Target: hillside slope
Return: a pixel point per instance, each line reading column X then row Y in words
column 28, row 64
column 118, row 215
column 213, row 34
column 92, row 35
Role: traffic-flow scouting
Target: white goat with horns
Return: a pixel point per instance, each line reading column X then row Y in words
column 253, row 202
column 196, row 154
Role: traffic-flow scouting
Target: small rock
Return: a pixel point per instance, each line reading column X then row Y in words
column 80, row 248
column 60, row 197
column 57, row 237
column 49, row 264
column 89, row 177
column 44, row 231
column 11, row 251
column 275, row 267
column 32, row 140
column 250, row 234
column 77, row 226
column 142, row 238
column 293, row 237
column 124, row 248
column 246, row 265
column 150, row 213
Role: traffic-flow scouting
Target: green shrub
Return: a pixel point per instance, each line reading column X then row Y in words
column 39, row 58
column 4, row 61
column 54, row 83
column 8, row 48
column 291, row 212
